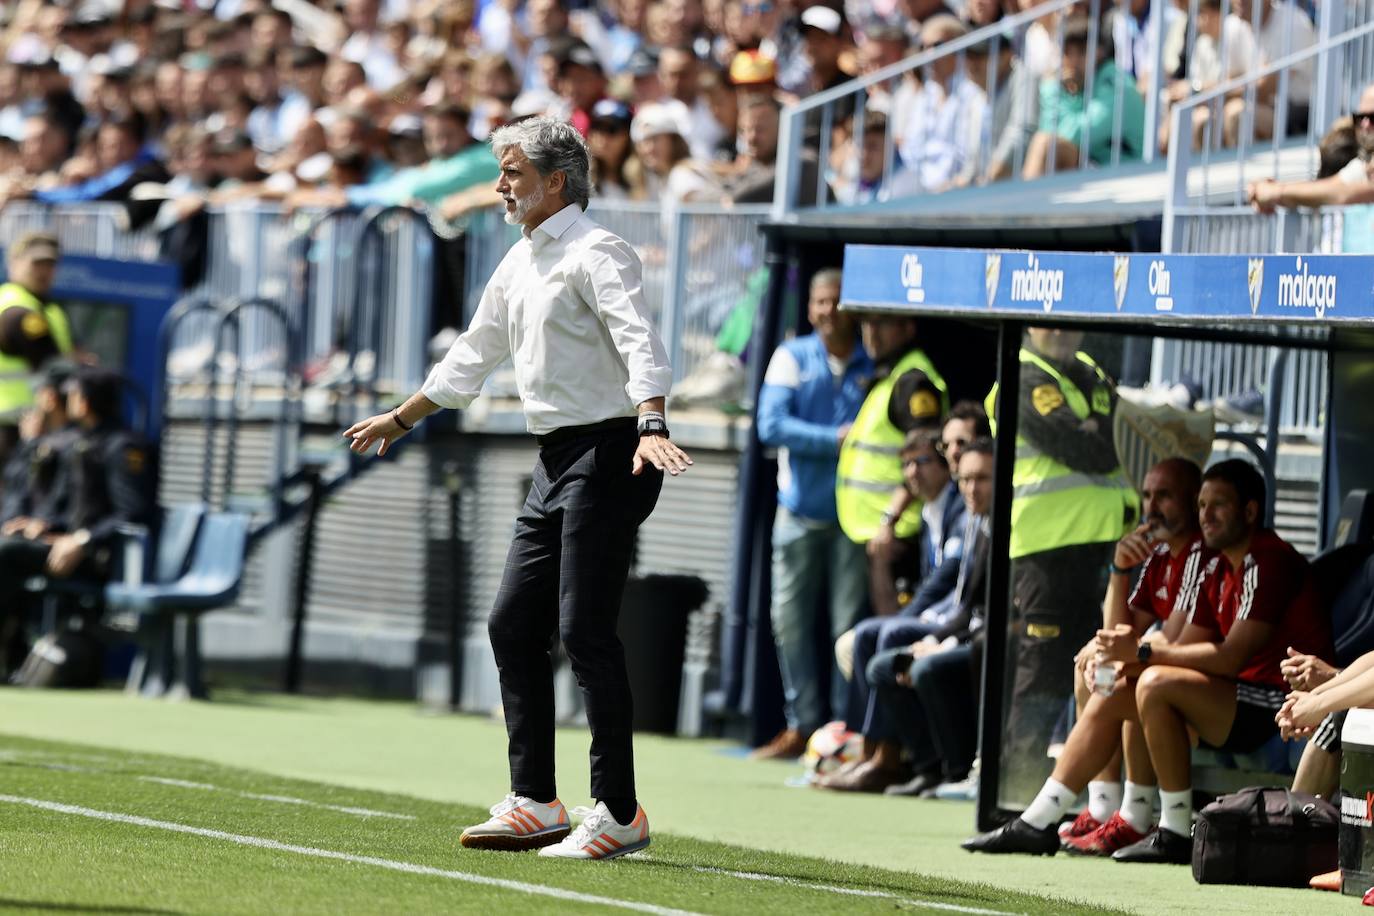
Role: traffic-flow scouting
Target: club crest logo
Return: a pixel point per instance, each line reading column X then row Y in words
column 992, row 272
column 1254, row 276
column 1121, row 272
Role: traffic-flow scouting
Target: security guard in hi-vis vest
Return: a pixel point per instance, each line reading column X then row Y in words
column 1071, row 502
column 874, row 506
column 32, row 330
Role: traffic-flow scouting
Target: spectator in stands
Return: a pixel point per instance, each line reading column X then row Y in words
column 811, row 394
column 930, row 689
column 367, row 46
column 1225, row 49
column 581, row 83
column 679, row 74
column 753, row 176
column 617, row 173
column 263, row 86
column 883, row 45
column 1283, row 29
column 455, row 164
column 858, row 176
column 1134, row 36
column 1351, row 185
column 1015, row 111
column 305, row 78
column 105, row 482
column 45, row 144
column 942, row 139
column 824, row 45
column 723, row 101
column 937, row 550
column 1069, row 121
column 671, row 175
column 545, row 20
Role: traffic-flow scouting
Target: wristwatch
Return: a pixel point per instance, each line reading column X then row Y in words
column 653, row 426
column 1143, row 652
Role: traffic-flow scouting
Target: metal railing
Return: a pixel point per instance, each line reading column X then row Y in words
column 697, row 258
column 1205, row 209
column 831, row 106
column 98, row 230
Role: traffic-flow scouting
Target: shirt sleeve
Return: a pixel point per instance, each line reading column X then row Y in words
column 613, row 288
column 778, row 423
column 457, row 379
column 1267, row 588
column 915, row 400
column 1145, row 586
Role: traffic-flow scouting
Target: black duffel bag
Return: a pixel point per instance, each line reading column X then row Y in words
column 1265, row 836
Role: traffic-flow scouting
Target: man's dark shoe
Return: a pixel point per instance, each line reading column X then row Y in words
column 1161, row 847
column 1015, row 836
column 921, row 782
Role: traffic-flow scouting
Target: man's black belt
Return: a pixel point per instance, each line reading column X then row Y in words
column 568, row 433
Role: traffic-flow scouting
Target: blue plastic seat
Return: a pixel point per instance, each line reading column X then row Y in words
column 168, row 610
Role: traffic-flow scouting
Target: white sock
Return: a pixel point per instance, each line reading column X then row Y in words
column 1137, row 808
column 1176, row 811
column 1050, row 805
column 1103, row 798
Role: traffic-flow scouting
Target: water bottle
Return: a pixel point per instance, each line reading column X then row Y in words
column 1104, row 678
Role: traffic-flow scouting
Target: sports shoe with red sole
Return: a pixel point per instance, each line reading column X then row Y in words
column 1116, row 833
column 1082, row 825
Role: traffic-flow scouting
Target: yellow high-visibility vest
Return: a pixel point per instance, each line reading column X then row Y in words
column 1052, row 504
column 870, row 466
column 16, row 386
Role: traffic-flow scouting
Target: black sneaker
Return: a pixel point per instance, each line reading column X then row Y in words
column 917, row 785
column 1163, row 847
column 1016, row 836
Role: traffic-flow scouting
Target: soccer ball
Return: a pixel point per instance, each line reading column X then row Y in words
column 830, row 747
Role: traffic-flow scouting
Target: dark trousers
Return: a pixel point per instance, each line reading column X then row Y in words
column 936, row 718
column 873, row 635
column 1057, row 608
column 564, row 577
column 21, row 558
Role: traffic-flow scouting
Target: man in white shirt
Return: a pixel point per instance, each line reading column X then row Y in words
column 566, row 305
column 1283, row 29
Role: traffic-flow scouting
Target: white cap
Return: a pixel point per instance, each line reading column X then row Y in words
column 823, row 18
column 658, row 118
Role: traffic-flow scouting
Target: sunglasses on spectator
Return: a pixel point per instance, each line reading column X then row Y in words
column 943, row 447
column 758, row 8
column 918, row 460
column 1359, row 116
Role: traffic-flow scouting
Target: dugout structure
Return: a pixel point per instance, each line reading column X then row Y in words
column 1124, row 303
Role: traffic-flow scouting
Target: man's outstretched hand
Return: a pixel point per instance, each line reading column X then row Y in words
column 382, row 428
column 661, row 453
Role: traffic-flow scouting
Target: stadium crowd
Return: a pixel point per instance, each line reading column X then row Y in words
column 170, row 106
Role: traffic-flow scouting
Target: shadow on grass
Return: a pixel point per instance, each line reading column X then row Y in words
column 7, row 903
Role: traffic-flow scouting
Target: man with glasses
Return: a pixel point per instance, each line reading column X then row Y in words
column 938, row 550
column 1351, row 185
column 929, row 689
column 965, row 422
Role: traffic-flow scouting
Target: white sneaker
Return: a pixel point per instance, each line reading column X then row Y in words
column 519, row 823
column 599, row 836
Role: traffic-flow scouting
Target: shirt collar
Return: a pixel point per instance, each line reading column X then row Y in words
column 559, row 223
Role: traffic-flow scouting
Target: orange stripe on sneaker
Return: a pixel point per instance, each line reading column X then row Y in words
column 529, row 820
column 610, row 841
column 515, row 823
column 593, row 850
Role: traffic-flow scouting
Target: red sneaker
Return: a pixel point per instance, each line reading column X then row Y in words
column 1082, row 825
column 1116, row 834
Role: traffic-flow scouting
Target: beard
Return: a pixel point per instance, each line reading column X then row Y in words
column 523, row 206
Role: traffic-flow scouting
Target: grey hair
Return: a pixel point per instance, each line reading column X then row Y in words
column 827, row 276
column 551, row 145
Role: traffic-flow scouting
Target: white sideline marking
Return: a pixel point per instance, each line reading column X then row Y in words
column 283, row 799
column 390, row 864
column 836, row 889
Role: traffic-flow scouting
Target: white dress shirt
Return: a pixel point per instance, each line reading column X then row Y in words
column 566, row 303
